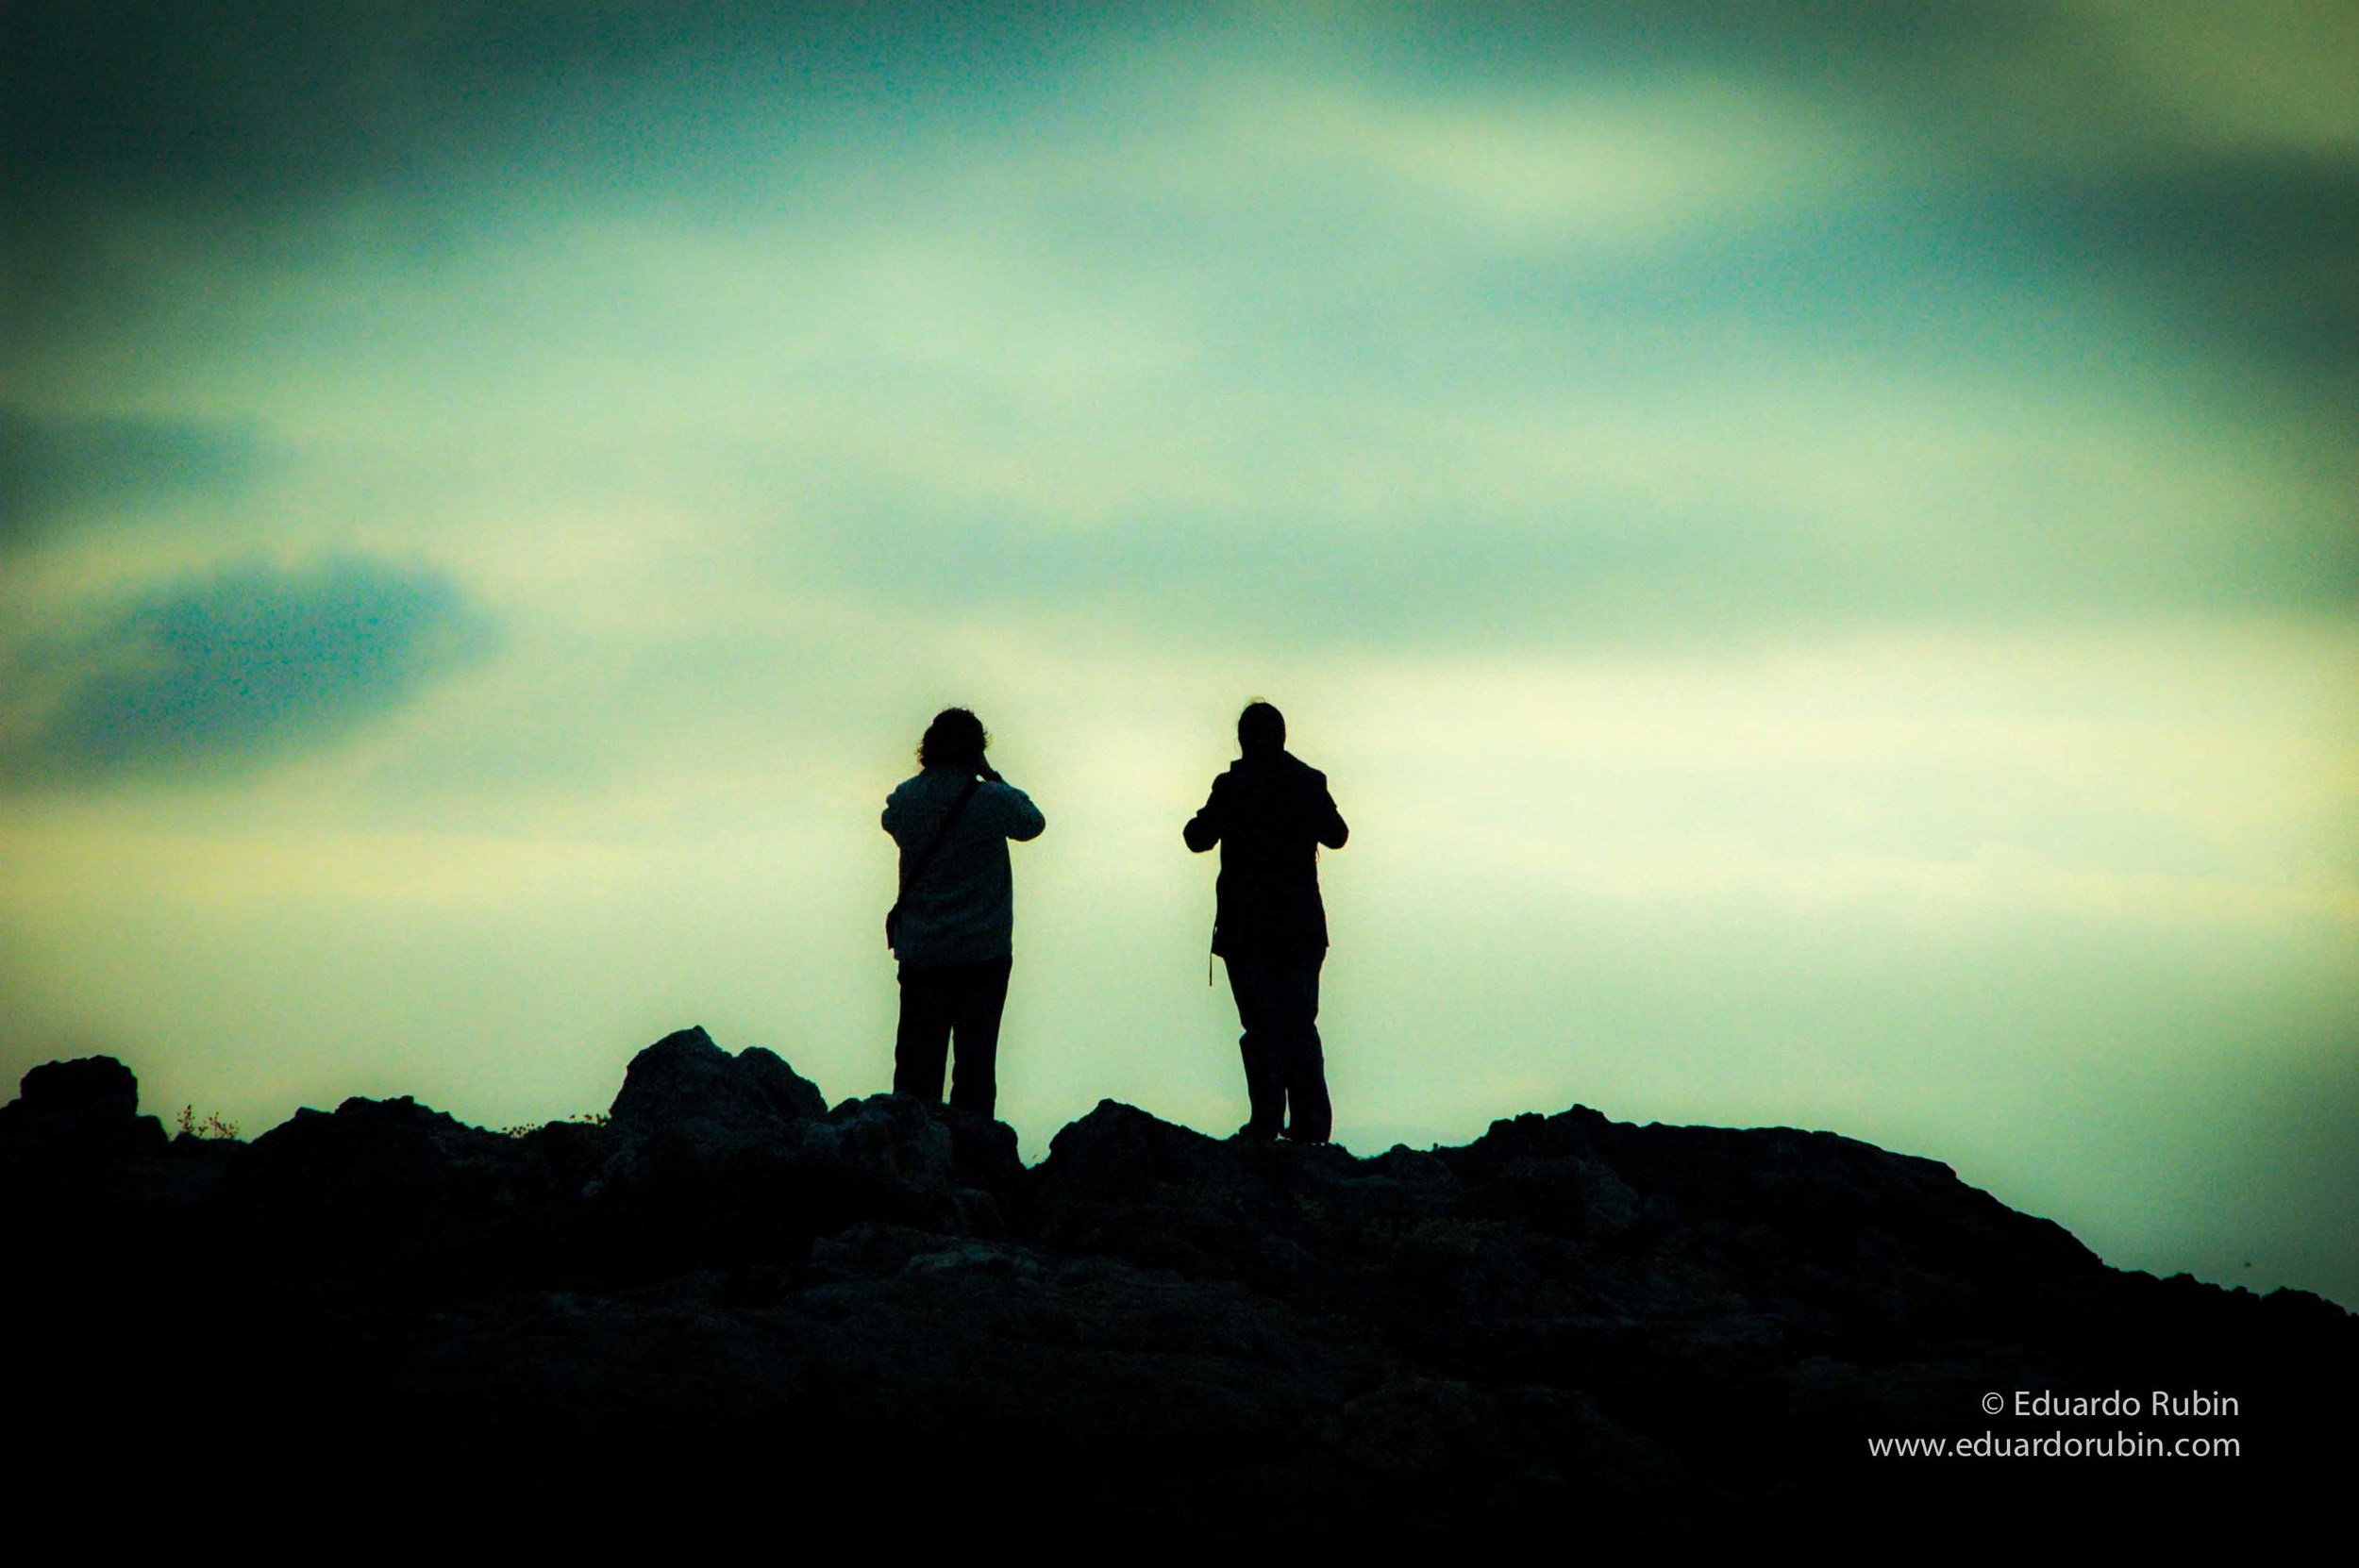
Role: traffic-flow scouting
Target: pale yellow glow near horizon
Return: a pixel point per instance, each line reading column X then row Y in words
column 1668, row 789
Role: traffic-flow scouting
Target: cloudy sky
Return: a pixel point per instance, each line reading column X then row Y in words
column 1816, row 542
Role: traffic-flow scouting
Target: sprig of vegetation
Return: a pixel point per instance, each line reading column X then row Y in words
column 213, row 1126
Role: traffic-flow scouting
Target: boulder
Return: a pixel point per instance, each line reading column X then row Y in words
column 684, row 1078
column 899, row 1150
column 385, row 1173
column 894, row 1159
column 736, row 1156
column 83, row 1111
column 1311, row 1224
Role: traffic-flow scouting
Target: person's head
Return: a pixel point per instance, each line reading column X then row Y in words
column 1260, row 729
column 956, row 739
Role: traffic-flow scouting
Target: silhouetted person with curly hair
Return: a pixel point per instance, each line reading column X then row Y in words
column 953, row 926
column 1269, row 813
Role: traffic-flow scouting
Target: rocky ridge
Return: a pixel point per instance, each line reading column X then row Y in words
column 1668, row 1333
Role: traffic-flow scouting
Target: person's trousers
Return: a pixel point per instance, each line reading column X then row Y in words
column 942, row 1004
column 1285, row 1071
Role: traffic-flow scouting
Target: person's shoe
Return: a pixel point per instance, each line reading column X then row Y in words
column 1252, row 1133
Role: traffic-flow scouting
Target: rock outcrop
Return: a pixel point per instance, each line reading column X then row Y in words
column 80, row 1113
column 1666, row 1333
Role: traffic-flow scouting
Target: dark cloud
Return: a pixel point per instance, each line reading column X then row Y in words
column 51, row 466
column 249, row 102
column 143, row 136
column 258, row 101
column 2259, row 250
column 2061, row 143
column 243, row 120
column 236, row 668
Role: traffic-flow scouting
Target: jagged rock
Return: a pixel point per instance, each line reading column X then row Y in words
column 85, row 1111
column 899, row 1148
column 705, row 1154
column 983, row 1153
column 722, row 1155
column 1550, row 1177
column 1822, row 1193
column 575, row 1153
column 375, row 1173
column 1663, row 1333
column 685, row 1078
column 98, row 1087
column 73, row 1140
column 1122, row 1154
column 1311, row 1225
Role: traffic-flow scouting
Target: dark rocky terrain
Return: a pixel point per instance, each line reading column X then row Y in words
column 731, row 1293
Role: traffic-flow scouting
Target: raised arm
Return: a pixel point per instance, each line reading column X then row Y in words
column 1205, row 828
column 1019, row 818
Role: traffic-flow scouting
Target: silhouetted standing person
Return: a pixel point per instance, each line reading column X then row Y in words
column 1269, row 813
column 953, row 926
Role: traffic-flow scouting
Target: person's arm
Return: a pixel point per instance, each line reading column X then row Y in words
column 1331, row 830
column 1205, row 828
column 892, row 818
column 1019, row 819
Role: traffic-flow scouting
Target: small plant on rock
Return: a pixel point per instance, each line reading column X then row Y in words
column 213, row 1126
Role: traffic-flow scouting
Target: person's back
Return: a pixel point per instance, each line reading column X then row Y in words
column 962, row 910
column 1269, row 813
column 953, row 926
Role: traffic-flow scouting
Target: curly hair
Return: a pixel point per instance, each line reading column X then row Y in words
column 956, row 739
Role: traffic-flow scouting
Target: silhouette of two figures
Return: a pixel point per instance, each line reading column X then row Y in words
column 952, row 925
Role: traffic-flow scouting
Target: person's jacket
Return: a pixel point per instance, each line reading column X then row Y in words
column 962, row 910
column 1269, row 813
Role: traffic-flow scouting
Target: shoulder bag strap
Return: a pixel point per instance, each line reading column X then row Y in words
column 925, row 855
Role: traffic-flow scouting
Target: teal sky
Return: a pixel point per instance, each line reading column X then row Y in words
column 1816, row 545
